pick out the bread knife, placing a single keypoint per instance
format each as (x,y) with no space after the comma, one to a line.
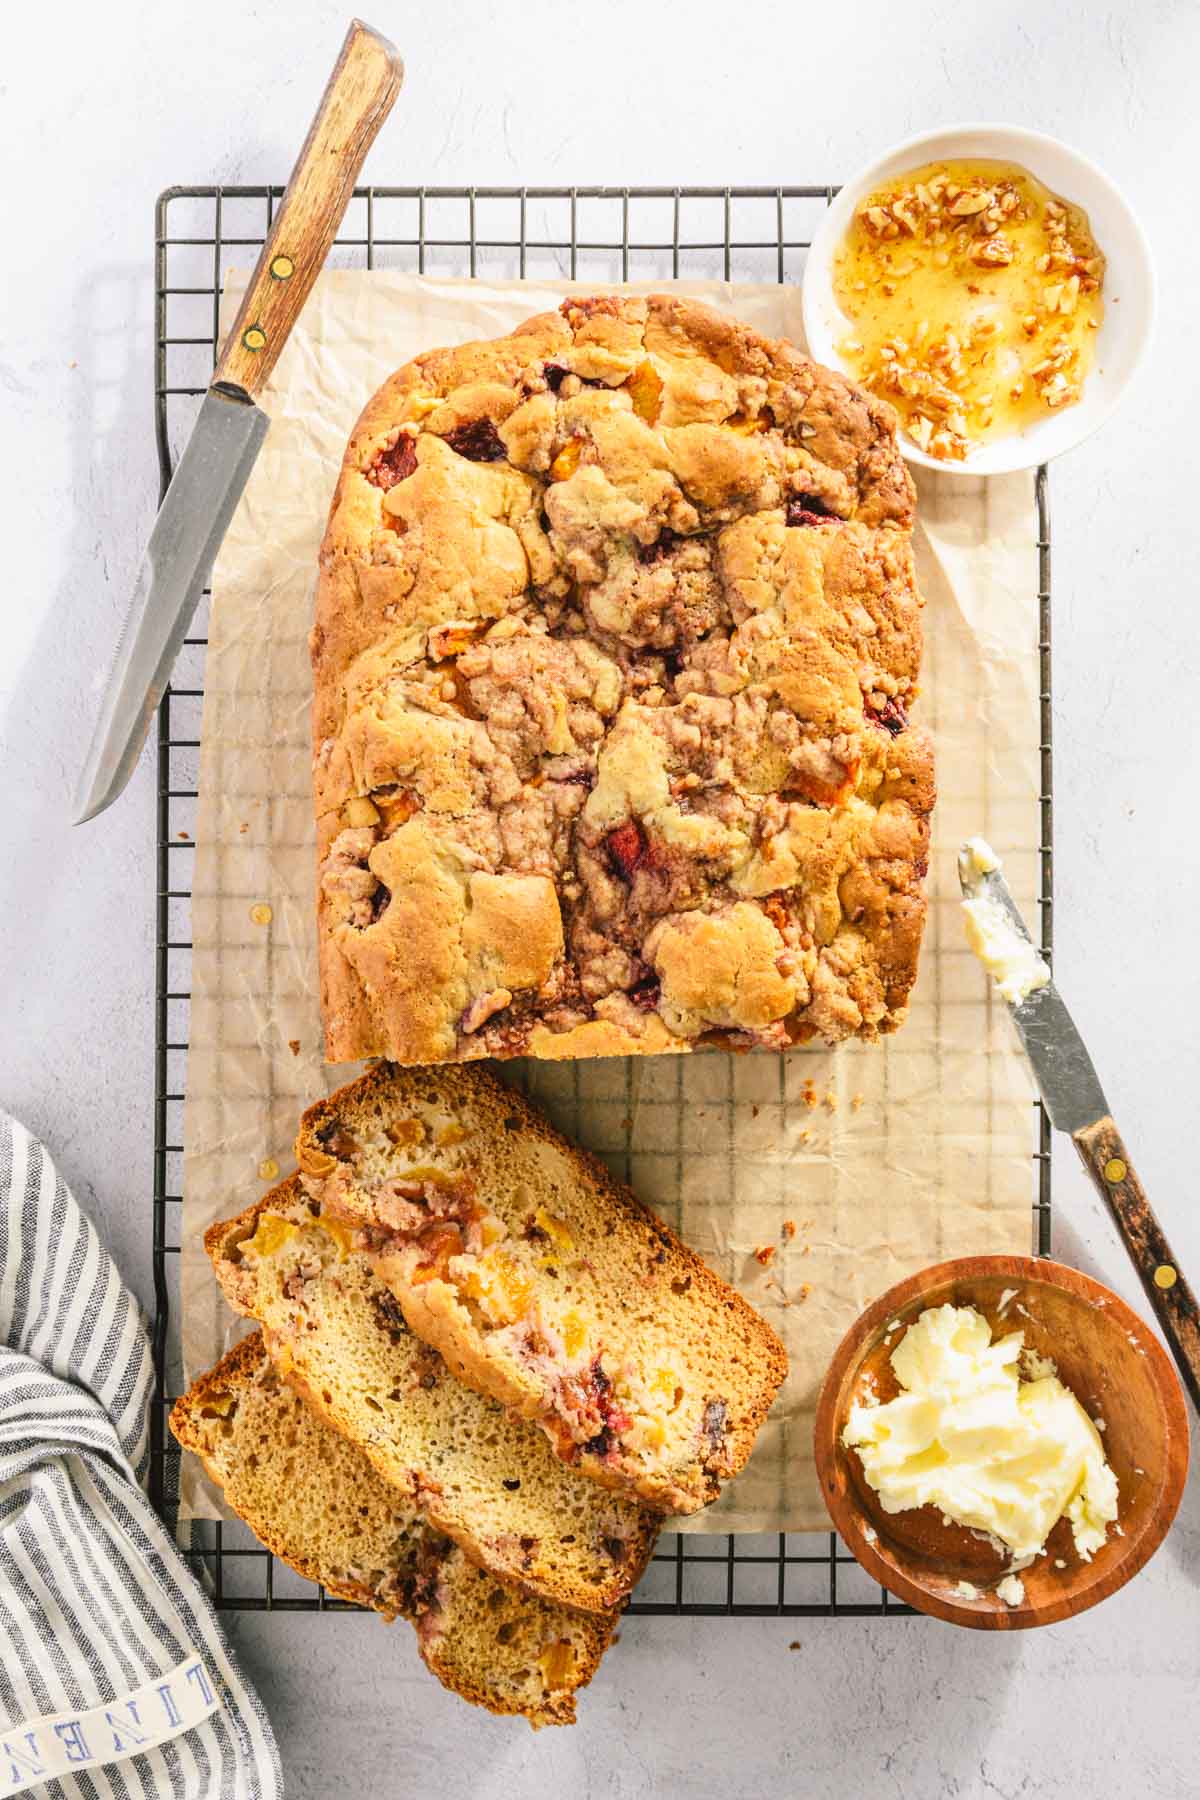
(1074,1099)
(229,431)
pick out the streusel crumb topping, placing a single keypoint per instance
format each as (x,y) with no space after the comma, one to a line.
(617,637)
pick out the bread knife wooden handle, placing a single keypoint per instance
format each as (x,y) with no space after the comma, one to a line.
(1107,1162)
(357,100)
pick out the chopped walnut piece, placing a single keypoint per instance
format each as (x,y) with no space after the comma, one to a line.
(967,205)
(994,252)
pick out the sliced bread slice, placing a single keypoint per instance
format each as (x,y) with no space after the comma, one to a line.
(543,1282)
(316,1501)
(488,1481)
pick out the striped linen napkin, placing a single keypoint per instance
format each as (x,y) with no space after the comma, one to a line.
(114,1678)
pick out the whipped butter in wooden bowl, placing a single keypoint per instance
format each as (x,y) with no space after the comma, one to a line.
(1128,1450)
(992,285)
(973,297)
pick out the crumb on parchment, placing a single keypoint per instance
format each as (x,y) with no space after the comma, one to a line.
(787,1299)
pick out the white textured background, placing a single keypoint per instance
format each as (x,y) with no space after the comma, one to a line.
(103,105)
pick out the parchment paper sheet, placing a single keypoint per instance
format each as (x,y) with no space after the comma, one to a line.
(885,1157)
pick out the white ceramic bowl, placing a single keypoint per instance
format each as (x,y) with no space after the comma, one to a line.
(1128,282)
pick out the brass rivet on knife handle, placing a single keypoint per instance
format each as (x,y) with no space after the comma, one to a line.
(359,97)
(1107,1162)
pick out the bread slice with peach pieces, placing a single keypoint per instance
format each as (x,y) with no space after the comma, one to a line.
(487,1480)
(318,1503)
(544,1282)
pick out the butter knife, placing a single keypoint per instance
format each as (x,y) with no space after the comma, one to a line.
(230,428)
(1074,1099)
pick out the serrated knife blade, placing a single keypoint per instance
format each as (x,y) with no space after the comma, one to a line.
(187,534)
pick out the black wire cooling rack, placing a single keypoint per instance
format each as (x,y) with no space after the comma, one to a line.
(596,234)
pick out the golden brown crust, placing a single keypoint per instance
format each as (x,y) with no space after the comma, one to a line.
(568,1300)
(316,1502)
(188,1425)
(617,629)
(337,1338)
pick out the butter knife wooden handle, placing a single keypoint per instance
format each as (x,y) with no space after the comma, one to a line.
(1107,1162)
(361,90)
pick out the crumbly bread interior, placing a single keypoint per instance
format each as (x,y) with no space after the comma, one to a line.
(317,1502)
(543,1282)
(488,1481)
(617,635)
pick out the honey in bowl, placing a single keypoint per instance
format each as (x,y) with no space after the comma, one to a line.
(974,300)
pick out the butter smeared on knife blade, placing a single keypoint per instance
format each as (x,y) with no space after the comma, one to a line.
(1061,1065)
(995,931)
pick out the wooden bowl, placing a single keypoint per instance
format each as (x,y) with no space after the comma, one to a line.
(1114,1365)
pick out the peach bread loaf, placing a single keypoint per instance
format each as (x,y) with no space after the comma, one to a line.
(616,640)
